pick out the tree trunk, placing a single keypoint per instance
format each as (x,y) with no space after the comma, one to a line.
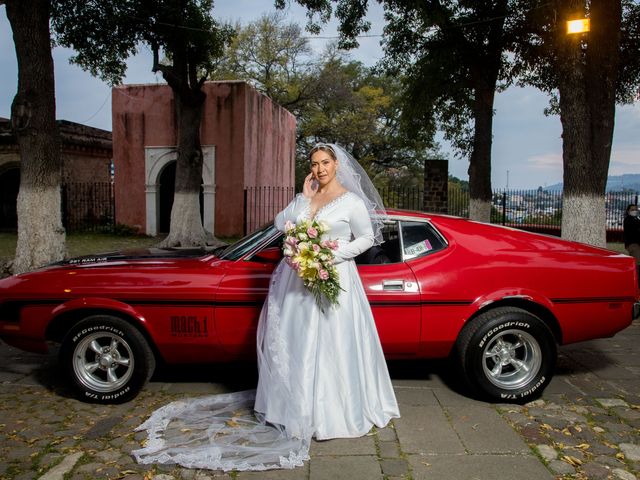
(586,84)
(480,161)
(186,223)
(41,237)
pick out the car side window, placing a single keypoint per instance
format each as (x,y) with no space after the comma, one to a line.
(388,251)
(420,238)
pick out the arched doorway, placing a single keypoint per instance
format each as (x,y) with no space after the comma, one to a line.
(9,184)
(157,177)
(167,182)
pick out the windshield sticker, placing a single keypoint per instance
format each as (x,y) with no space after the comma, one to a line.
(188,326)
(418,248)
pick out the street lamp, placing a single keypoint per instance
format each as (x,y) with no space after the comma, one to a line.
(581,25)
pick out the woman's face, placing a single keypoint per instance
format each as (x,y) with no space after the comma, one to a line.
(323,167)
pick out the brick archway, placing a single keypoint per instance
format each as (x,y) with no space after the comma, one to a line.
(155,160)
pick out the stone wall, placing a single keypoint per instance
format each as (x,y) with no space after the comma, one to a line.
(436,186)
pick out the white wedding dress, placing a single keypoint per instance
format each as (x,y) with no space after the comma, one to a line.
(321,375)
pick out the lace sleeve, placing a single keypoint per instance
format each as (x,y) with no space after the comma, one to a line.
(292,211)
(362,231)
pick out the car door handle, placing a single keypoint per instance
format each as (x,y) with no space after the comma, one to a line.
(399,286)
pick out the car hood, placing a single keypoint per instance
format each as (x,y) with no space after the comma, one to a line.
(139,255)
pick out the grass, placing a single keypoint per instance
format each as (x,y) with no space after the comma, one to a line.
(83,243)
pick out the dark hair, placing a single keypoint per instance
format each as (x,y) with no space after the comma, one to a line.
(629,208)
(323,147)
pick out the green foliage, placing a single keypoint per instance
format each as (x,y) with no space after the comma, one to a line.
(334,98)
(105,34)
(273,56)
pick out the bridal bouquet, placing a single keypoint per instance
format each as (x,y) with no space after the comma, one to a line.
(312,258)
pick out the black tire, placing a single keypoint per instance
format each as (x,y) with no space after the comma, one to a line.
(507,355)
(106,359)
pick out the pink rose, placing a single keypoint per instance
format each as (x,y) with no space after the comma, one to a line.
(312,232)
(291,241)
(289,225)
(323,274)
(333,244)
(316,247)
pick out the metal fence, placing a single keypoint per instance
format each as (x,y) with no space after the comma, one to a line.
(88,207)
(261,204)
(536,210)
(91,206)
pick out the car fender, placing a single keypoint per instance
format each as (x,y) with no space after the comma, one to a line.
(506,295)
(96,304)
(529,300)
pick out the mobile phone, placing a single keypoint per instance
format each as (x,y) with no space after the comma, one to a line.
(314,184)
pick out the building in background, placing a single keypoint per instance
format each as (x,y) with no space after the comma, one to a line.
(247,141)
(86,159)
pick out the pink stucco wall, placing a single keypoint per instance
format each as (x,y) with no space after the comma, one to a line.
(254,143)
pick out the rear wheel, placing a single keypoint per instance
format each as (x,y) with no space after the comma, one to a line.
(507,354)
(107,360)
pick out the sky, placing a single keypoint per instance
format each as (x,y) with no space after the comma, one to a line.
(527,145)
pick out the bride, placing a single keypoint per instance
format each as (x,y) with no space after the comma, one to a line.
(322,374)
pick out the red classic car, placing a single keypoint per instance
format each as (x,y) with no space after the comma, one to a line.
(497,300)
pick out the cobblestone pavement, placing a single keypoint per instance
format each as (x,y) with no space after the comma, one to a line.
(586,425)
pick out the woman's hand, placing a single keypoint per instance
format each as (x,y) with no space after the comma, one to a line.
(309,187)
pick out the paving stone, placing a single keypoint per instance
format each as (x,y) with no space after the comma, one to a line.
(415,396)
(595,471)
(394,467)
(301,473)
(426,430)
(354,446)
(623,474)
(547,452)
(388,449)
(609,460)
(612,402)
(627,413)
(494,467)
(532,434)
(631,451)
(345,468)
(481,430)
(387,434)
(563,468)
(108,456)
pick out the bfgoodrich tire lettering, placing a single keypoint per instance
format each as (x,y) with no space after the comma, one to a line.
(106,359)
(507,354)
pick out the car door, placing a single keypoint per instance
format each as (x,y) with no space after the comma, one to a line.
(394,296)
(240,297)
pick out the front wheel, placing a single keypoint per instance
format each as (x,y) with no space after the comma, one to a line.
(507,354)
(107,360)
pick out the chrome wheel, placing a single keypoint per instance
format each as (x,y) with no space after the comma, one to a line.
(103,362)
(512,359)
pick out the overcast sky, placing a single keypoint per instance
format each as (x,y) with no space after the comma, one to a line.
(527,147)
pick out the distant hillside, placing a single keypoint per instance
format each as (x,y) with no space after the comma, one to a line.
(617,183)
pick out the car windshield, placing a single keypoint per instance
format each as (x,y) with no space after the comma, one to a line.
(246,244)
